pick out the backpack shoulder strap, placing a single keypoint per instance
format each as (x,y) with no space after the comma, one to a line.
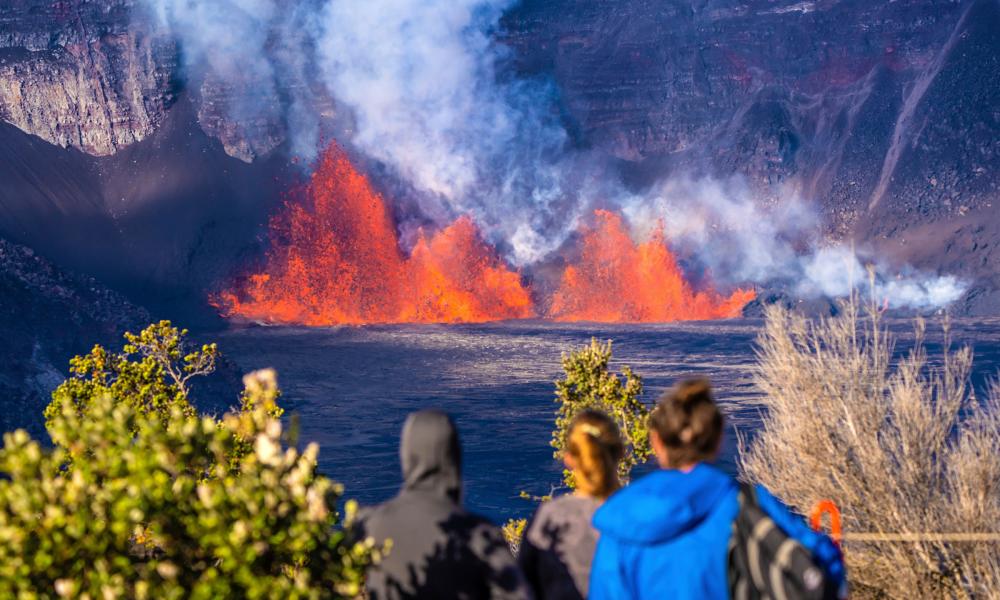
(741,585)
(748,494)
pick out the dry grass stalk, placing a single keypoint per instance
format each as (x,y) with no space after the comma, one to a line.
(901,448)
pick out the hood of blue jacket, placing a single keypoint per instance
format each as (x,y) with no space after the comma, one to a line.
(663,504)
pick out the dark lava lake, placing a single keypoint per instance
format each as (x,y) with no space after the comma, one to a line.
(352,388)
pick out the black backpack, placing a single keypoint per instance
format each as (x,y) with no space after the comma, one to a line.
(765,563)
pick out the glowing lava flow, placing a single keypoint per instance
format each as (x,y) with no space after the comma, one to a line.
(617,280)
(334,259)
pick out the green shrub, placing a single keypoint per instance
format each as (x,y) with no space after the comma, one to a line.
(513,533)
(151,374)
(589,383)
(167,504)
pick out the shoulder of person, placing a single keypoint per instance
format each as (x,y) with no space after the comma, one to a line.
(563,510)
(374,515)
(791,522)
(360,527)
(462,519)
(663,482)
(559,504)
(663,504)
(557,501)
(375,511)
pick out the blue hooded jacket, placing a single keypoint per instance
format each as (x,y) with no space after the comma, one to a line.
(667,536)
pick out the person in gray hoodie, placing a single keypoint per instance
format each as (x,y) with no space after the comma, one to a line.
(438,549)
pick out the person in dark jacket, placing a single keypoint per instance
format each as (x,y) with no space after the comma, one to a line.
(667,534)
(559,542)
(438,549)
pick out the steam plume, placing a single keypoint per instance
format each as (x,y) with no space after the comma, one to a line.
(421,78)
(257,50)
(836,271)
(726,231)
(432,98)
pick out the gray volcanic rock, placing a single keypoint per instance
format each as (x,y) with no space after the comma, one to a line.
(929,186)
(935,204)
(249,137)
(650,77)
(945,153)
(100,75)
(47,316)
(163,220)
(83,74)
(774,90)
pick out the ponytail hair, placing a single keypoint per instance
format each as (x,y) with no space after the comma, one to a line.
(688,422)
(596,445)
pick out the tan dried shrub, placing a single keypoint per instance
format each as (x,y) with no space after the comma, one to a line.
(901,447)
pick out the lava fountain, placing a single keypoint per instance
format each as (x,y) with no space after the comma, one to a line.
(616,279)
(334,258)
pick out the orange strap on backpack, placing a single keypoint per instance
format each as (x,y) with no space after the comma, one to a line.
(816,519)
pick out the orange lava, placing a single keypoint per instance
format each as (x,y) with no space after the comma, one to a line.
(334,259)
(617,280)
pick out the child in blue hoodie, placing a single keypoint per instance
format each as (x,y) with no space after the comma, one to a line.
(667,535)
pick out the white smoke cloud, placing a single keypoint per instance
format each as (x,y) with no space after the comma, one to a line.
(728,232)
(257,49)
(836,271)
(227,34)
(421,78)
(721,223)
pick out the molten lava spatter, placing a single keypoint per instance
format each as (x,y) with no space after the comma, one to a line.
(335,259)
(457,277)
(617,280)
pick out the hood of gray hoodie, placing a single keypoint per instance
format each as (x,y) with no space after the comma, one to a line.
(431,455)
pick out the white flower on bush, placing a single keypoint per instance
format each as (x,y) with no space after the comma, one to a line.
(268,450)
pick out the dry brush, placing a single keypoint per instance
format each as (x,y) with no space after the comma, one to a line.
(902,446)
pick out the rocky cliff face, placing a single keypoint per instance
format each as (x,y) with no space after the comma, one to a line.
(251,136)
(47,316)
(823,92)
(803,90)
(101,75)
(161,220)
(935,197)
(648,77)
(84,74)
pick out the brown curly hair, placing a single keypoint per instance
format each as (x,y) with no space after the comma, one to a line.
(688,422)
